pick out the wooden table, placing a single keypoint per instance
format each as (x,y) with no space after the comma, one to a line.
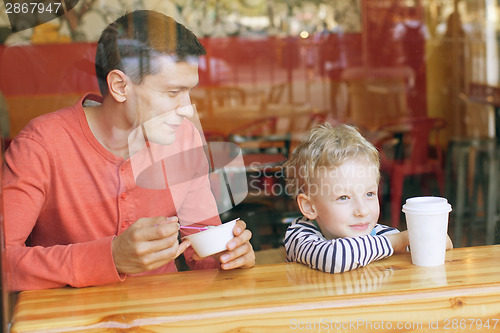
(388,295)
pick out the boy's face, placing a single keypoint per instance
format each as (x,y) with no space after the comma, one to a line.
(345,199)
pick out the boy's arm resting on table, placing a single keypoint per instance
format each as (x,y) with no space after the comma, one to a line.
(305,244)
(399,241)
(449,243)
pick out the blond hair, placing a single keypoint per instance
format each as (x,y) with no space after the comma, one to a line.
(326,146)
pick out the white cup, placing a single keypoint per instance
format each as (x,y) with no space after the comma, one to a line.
(427,223)
(213,240)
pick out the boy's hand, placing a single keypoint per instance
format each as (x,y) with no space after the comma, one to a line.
(449,243)
(399,241)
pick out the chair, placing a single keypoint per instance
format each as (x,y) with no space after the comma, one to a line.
(301,123)
(275,94)
(382,90)
(5,143)
(262,148)
(259,127)
(227,96)
(263,152)
(211,136)
(304,121)
(413,155)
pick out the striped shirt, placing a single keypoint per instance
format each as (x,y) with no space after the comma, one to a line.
(304,243)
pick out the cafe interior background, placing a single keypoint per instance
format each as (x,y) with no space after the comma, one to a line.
(417,77)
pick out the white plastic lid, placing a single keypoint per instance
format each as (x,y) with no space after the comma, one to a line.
(426,205)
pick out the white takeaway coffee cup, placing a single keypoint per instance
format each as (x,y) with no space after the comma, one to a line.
(427,223)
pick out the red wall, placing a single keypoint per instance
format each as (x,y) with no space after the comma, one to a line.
(60,70)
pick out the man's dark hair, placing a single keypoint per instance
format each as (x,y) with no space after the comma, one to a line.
(132,43)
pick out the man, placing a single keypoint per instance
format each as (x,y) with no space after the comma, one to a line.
(78,209)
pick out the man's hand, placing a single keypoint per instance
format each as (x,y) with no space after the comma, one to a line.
(239,253)
(148,244)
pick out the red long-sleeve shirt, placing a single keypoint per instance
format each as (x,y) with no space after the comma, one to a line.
(66,197)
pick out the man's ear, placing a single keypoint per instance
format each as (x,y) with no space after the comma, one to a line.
(306,206)
(117,82)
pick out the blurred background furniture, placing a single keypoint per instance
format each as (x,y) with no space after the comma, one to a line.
(472,165)
(264,151)
(378,95)
(211,136)
(276,94)
(458,185)
(416,151)
(486,177)
(300,124)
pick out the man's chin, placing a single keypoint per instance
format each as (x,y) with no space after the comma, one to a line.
(164,140)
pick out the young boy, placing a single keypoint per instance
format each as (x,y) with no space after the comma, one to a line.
(334,175)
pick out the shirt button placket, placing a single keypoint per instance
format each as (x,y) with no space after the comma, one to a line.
(124,205)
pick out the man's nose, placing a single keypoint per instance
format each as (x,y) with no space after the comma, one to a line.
(185,111)
(185,108)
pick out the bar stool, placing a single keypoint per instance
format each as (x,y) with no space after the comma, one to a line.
(457,155)
(487,162)
(465,201)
